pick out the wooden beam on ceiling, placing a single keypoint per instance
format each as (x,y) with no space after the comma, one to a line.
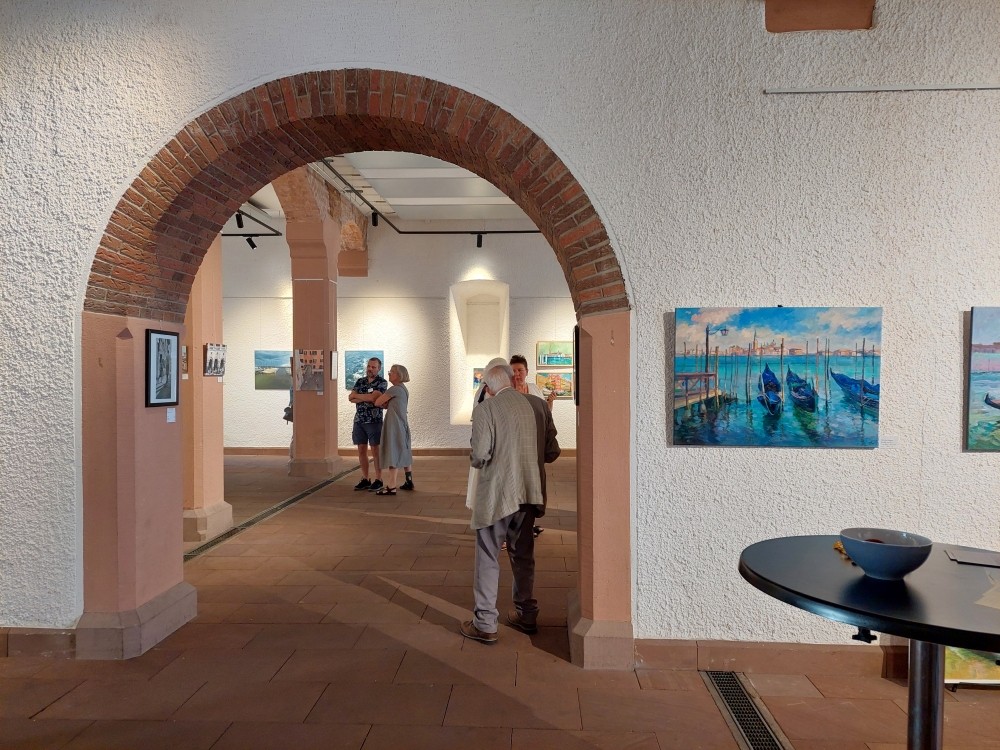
(817,15)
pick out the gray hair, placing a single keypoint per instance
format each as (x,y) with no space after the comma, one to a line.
(404,374)
(498,377)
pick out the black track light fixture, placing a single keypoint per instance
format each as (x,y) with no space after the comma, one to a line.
(239,219)
(479,240)
(251,243)
(374,219)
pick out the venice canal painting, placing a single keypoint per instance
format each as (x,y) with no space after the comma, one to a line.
(792,377)
(984,380)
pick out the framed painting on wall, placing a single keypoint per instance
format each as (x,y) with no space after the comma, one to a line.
(309,370)
(792,377)
(162,365)
(477,377)
(554,354)
(355,363)
(559,382)
(962,665)
(272,370)
(215,360)
(984,381)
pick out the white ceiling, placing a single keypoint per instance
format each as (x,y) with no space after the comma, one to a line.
(409,186)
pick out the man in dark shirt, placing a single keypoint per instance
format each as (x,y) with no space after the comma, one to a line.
(368,421)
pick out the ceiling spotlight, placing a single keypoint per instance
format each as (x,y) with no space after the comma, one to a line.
(239,219)
(479,240)
(251,243)
(374,219)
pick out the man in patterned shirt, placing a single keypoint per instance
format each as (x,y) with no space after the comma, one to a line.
(368,421)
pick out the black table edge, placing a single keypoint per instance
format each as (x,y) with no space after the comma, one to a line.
(880,623)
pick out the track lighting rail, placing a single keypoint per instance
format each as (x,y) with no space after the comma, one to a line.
(377,215)
(272,232)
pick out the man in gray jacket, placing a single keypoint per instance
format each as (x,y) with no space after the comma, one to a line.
(505,450)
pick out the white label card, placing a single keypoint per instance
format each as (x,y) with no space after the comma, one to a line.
(171,414)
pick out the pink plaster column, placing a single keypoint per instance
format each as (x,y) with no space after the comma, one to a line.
(134,592)
(313,246)
(206,513)
(600,613)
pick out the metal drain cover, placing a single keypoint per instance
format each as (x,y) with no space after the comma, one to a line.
(756,731)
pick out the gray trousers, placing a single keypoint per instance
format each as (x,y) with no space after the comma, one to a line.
(516,530)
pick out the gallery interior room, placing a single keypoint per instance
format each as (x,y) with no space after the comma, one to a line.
(700,236)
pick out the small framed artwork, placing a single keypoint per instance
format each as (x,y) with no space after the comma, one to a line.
(184,359)
(983,385)
(554,354)
(272,370)
(356,365)
(559,382)
(576,364)
(334,362)
(477,377)
(309,370)
(162,365)
(215,360)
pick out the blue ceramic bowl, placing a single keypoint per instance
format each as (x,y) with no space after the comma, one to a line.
(885,554)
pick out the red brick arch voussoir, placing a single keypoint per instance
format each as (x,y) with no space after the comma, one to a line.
(163,225)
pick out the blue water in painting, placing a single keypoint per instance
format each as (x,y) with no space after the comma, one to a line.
(984,421)
(836,423)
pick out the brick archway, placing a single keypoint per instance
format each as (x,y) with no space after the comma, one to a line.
(164,223)
(141,279)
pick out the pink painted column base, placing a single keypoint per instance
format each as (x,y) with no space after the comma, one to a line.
(133,577)
(600,613)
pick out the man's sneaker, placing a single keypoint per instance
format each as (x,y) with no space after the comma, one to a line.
(470,631)
(375,486)
(518,624)
(364,484)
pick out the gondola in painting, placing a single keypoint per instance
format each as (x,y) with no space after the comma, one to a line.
(802,377)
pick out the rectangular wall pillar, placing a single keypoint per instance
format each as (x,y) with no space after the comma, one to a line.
(206,513)
(134,589)
(600,613)
(313,247)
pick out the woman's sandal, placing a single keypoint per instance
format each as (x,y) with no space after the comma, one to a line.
(386,491)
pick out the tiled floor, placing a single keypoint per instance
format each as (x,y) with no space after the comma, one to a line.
(334,624)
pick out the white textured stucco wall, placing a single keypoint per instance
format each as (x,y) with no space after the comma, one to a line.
(401,307)
(713,194)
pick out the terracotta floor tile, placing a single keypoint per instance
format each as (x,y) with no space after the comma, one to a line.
(444,563)
(694,740)
(299,578)
(458,667)
(281,550)
(233,665)
(423,636)
(279,613)
(796,685)
(148,735)
(140,668)
(387,737)
(277,736)
(30,734)
(838,745)
(251,701)
(306,636)
(857,686)
(556,739)
(377,563)
(962,695)
(313,562)
(669,679)
(422,550)
(127,699)
(22,698)
(680,713)
(373,613)
(209,635)
(342,665)
(242,594)
(547,707)
(22,666)
(539,669)
(381,704)
(340,593)
(251,577)
(848,720)
(214,612)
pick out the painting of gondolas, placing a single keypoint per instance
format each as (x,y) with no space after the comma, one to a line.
(793,377)
(984,381)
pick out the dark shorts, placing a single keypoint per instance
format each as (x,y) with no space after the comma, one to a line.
(367,432)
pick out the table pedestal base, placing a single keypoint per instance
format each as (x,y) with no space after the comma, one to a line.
(925,730)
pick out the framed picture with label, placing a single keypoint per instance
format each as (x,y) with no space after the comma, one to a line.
(162,366)
(215,360)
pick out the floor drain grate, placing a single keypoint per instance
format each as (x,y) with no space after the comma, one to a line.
(748,719)
(263,516)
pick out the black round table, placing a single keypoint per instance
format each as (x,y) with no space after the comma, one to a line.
(934,606)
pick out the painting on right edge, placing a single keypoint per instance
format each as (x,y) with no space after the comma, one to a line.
(984,381)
